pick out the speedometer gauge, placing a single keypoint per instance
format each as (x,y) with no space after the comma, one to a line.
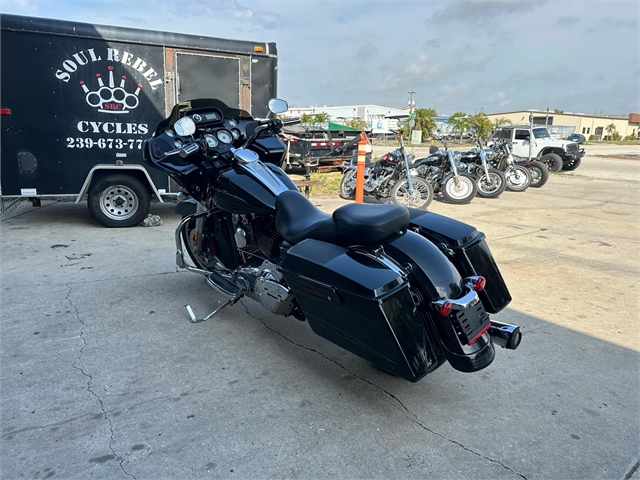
(233,123)
(236,133)
(212,142)
(224,136)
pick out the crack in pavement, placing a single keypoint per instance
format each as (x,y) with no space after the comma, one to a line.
(408,414)
(633,470)
(89,380)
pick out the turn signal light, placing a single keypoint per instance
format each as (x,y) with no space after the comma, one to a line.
(445,308)
(480,283)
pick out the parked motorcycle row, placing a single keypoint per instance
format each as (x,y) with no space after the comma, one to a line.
(457,176)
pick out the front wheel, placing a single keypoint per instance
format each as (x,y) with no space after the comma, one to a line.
(518,178)
(539,173)
(420,196)
(460,189)
(553,161)
(492,185)
(118,200)
(573,165)
(348,185)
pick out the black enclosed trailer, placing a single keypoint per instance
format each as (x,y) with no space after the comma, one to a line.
(78,100)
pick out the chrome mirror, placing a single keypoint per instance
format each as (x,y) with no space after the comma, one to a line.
(185,127)
(277,105)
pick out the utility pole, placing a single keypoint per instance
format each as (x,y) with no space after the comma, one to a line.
(412,116)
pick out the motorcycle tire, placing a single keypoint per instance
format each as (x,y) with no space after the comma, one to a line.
(459,192)
(493,185)
(539,174)
(422,193)
(518,178)
(348,185)
(573,165)
(552,161)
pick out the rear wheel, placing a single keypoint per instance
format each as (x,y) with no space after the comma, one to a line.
(539,173)
(553,161)
(421,195)
(118,200)
(492,185)
(460,190)
(518,178)
(573,165)
(348,185)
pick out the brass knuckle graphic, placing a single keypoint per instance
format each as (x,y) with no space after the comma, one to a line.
(111,98)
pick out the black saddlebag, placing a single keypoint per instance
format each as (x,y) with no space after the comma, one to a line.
(362,303)
(467,249)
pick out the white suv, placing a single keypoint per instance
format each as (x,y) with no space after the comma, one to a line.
(556,154)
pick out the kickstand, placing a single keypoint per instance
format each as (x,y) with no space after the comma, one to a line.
(199,320)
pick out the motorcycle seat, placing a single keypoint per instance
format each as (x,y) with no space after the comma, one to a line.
(298,219)
(361,224)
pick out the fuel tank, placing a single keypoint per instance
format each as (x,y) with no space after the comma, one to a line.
(251,188)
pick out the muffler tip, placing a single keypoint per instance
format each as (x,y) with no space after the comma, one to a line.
(505,335)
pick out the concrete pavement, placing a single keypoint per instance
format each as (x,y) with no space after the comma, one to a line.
(103,376)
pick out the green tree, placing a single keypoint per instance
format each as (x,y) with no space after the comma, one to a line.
(459,121)
(321,117)
(425,121)
(611,129)
(306,119)
(558,111)
(501,121)
(481,124)
(356,123)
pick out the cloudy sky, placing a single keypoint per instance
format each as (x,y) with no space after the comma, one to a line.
(579,56)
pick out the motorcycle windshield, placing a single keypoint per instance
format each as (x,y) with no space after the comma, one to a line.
(183,108)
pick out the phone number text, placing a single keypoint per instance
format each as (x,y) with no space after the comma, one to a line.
(117,143)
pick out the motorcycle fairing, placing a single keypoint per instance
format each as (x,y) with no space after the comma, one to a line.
(467,249)
(362,301)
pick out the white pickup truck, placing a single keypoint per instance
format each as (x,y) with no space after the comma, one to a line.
(556,154)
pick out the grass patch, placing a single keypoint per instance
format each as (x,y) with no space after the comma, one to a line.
(330,186)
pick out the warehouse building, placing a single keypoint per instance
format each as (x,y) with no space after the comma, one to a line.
(593,127)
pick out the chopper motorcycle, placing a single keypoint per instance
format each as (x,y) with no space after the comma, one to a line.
(404,289)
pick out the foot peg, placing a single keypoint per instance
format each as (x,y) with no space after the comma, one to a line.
(225,287)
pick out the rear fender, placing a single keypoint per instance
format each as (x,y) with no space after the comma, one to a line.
(435,277)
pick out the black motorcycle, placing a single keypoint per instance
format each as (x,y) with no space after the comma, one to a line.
(440,169)
(402,288)
(491,181)
(518,176)
(387,178)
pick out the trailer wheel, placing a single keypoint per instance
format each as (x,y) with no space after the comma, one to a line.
(118,200)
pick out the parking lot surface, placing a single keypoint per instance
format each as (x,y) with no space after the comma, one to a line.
(103,376)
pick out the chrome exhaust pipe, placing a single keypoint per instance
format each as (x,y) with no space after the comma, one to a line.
(505,335)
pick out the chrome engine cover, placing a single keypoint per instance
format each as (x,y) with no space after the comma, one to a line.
(271,291)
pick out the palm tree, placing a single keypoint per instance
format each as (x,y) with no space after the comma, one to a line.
(611,129)
(501,121)
(357,123)
(306,119)
(459,121)
(481,124)
(321,117)
(425,121)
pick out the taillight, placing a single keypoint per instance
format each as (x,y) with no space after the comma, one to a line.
(479,284)
(5,111)
(445,308)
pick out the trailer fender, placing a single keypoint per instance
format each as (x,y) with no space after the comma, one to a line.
(87,182)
